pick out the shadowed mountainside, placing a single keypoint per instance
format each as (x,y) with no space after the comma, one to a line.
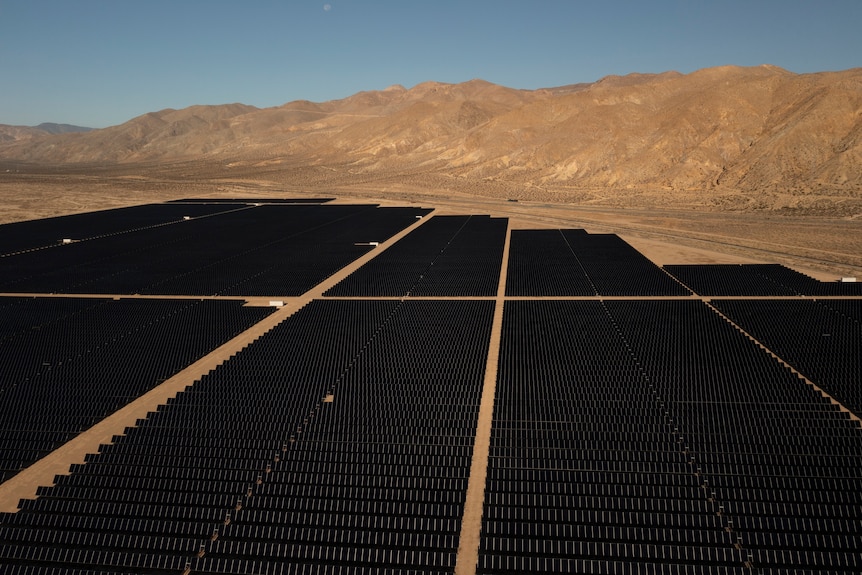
(760,130)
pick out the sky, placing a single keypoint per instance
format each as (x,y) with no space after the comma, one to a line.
(98,63)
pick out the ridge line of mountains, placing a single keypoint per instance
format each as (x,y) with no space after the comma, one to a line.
(747,129)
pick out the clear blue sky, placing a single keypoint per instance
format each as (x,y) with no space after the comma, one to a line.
(102,62)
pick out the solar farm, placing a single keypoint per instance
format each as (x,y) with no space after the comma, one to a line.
(309,387)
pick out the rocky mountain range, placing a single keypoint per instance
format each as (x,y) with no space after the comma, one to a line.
(19,133)
(750,130)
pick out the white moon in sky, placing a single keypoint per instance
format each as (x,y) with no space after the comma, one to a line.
(327,7)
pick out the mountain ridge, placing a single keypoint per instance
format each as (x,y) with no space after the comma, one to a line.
(750,129)
(18,133)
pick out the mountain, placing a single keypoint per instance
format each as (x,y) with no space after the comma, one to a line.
(53,128)
(747,129)
(26,133)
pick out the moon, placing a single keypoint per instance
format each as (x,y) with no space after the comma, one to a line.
(327,7)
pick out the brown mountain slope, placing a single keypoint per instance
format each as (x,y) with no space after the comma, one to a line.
(731,127)
(752,130)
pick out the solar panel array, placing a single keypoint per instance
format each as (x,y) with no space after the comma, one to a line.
(651,436)
(821,339)
(448,256)
(315,450)
(33,234)
(636,435)
(773,449)
(252,201)
(67,363)
(542,263)
(265,250)
(756,280)
(574,263)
